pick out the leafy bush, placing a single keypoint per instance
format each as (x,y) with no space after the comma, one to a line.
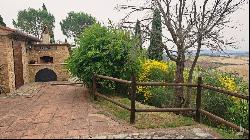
(156,71)
(161,96)
(102,51)
(228,107)
(151,70)
(170,75)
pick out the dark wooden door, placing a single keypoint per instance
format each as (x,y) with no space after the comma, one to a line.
(18,64)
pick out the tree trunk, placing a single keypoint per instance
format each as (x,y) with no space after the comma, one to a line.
(179,96)
(191,71)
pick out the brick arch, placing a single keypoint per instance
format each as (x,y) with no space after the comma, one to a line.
(45,75)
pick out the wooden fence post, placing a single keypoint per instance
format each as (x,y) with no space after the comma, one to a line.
(94,87)
(132,98)
(198,100)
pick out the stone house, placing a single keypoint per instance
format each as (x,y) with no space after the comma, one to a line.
(25,59)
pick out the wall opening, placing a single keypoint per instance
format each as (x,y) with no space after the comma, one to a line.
(32,62)
(46,59)
(45,75)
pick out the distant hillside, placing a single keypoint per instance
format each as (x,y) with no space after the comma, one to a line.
(227,52)
(210,53)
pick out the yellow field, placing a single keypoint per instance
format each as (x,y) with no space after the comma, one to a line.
(236,65)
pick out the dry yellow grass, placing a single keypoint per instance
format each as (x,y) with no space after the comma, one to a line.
(226,60)
(236,65)
(241,70)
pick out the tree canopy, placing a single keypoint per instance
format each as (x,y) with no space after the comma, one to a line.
(102,51)
(1,21)
(189,26)
(32,21)
(75,23)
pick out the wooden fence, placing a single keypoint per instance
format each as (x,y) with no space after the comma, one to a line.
(198,111)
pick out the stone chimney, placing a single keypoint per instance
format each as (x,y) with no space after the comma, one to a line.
(45,36)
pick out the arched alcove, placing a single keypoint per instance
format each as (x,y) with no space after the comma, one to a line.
(45,75)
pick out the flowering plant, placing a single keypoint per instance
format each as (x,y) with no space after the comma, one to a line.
(151,70)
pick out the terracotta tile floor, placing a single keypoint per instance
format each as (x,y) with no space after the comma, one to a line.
(61,111)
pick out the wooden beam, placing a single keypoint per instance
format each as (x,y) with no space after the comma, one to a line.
(165,110)
(54,84)
(113,79)
(239,95)
(165,84)
(219,119)
(112,101)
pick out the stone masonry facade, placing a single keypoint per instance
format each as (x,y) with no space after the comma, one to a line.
(59,52)
(21,58)
(7,75)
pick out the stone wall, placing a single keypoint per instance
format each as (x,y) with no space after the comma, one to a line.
(6,59)
(7,74)
(60,54)
(4,79)
(60,70)
(25,61)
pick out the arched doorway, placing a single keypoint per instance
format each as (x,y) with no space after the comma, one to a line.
(45,75)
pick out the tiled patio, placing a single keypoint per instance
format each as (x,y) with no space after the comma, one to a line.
(60,111)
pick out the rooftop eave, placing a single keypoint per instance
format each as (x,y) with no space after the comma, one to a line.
(19,34)
(25,36)
(62,44)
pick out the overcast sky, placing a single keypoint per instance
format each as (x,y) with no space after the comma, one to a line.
(102,10)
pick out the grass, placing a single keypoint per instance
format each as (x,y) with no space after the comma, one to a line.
(143,120)
(226,134)
(154,119)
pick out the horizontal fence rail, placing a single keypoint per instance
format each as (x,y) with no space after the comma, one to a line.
(165,110)
(164,84)
(198,111)
(117,103)
(113,79)
(55,84)
(221,120)
(235,94)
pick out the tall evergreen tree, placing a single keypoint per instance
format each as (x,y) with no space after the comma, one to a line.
(1,22)
(138,35)
(33,21)
(44,7)
(155,50)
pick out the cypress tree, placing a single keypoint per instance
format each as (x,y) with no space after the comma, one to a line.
(44,7)
(1,22)
(155,51)
(138,35)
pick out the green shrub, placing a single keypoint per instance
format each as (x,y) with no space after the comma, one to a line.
(151,70)
(170,75)
(230,108)
(161,96)
(216,103)
(102,51)
(156,71)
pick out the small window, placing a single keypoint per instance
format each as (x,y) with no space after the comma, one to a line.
(46,59)
(32,62)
